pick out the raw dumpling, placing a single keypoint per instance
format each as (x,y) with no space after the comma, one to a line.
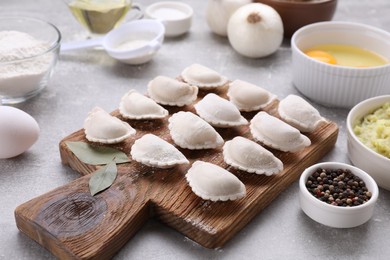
(153,151)
(171,92)
(248,97)
(192,132)
(134,105)
(219,112)
(277,134)
(203,77)
(211,182)
(101,127)
(249,156)
(300,114)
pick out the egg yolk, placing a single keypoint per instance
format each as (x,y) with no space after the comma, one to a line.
(322,56)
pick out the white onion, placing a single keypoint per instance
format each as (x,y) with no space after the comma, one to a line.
(218,14)
(255,30)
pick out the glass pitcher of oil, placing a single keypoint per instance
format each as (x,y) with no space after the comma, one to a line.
(101,16)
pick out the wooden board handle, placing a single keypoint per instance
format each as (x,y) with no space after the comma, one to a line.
(71,223)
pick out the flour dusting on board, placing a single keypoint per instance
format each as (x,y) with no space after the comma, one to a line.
(199,223)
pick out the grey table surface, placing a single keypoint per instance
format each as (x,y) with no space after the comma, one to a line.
(90,78)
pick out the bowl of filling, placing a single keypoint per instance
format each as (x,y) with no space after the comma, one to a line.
(368,130)
(337,194)
(29,50)
(339,64)
(298,13)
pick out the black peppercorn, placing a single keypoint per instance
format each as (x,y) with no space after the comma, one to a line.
(339,187)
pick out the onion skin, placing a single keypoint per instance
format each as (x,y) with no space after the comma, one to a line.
(255,30)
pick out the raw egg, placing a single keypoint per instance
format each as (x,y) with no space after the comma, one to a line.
(18,131)
(346,55)
(322,56)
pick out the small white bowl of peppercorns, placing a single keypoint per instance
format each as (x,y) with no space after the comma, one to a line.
(337,194)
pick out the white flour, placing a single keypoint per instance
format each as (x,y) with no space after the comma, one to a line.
(132,45)
(19,78)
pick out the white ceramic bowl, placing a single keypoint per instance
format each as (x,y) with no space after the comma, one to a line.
(336,216)
(176,16)
(339,86)
(375,164)
(150,32)
(23,78)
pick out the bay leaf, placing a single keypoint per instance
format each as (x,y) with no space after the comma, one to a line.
(103,178)
(96,155)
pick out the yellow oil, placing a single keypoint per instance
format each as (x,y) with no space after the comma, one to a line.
(99,17)
(347,55)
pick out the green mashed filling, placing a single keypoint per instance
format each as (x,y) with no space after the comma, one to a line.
(373,130)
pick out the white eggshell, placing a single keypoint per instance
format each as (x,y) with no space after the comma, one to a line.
(18,131)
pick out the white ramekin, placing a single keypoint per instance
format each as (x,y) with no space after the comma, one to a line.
(336,216)
(339,86)
(174,25)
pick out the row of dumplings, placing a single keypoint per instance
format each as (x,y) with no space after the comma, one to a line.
(215,111)
(244,95)
(196,132)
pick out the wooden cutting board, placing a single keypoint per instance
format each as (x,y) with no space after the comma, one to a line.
(71,223)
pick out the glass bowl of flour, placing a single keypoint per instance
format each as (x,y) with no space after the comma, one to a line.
(29,50)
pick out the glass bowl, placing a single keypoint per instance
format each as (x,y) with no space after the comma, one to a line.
(29,50)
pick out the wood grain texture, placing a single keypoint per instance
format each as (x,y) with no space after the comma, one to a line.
(71,223)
